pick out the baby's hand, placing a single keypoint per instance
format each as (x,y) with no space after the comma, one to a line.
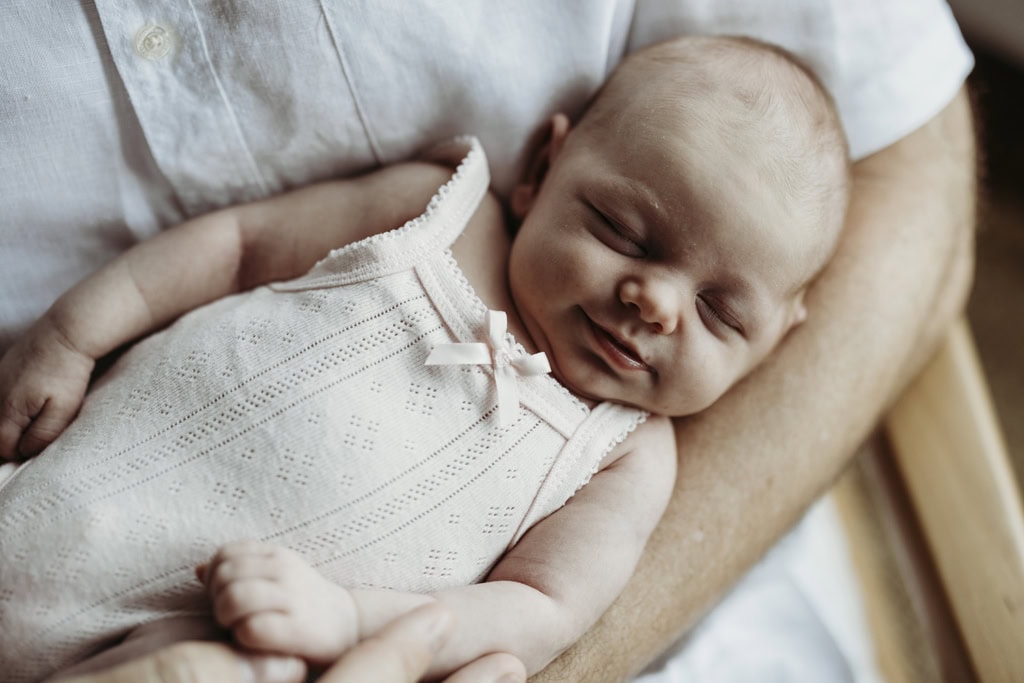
(273,601)
(42,383)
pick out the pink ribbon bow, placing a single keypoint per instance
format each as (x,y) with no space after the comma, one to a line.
(499,354)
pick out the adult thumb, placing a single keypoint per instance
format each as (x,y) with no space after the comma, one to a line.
(201,662)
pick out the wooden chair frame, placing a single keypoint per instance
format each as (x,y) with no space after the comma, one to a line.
(943,463)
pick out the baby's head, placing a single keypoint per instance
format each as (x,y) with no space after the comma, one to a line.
(667,239)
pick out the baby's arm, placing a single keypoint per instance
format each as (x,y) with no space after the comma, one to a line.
(542,596)
(550,588)
(44,375)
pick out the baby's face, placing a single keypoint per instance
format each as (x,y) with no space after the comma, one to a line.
(656,270)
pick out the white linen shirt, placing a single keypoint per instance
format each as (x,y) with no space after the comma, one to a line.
(121,117)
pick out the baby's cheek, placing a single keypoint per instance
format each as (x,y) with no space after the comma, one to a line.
(585,265)
(695,389)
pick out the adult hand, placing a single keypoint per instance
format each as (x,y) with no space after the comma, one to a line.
(402,651)
(198,661)
(399,653)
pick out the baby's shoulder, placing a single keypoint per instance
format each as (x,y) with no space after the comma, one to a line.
(653,440)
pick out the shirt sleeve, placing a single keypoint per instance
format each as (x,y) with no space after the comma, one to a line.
(891,66)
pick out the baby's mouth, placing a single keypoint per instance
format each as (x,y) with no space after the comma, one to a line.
(618,351)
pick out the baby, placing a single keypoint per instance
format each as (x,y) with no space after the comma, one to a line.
(439,411)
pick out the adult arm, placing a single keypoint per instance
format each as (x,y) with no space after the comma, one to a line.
(753,463)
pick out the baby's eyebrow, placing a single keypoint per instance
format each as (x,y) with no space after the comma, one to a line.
(646,203)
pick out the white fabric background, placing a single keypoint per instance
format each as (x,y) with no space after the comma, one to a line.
(795,618)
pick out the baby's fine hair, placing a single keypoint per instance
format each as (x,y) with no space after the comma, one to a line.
(784,108)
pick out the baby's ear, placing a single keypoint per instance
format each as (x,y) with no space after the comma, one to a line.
(543,150)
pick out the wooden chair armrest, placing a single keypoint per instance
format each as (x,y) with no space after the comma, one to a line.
(950,453)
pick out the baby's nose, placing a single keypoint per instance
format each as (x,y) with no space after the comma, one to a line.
(655,304)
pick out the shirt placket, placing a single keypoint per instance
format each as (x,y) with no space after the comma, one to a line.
(161,55)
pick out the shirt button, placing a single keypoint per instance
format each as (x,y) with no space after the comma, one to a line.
(154,41)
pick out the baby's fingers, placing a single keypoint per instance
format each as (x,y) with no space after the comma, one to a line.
(46,426)
(240,600)
(16,416)
(272,632)
(235,561)
(10,434)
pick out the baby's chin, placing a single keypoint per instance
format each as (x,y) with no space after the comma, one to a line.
(684,406)
(593,398)
(589,392)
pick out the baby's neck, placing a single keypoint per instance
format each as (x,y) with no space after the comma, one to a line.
(482,252)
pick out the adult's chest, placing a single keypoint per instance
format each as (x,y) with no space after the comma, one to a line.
(122,118)
(239,101)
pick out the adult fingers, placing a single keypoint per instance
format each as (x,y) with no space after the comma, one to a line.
(499,667)
(200,662)
(398,653)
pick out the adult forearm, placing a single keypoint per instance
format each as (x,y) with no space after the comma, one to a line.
(751,464)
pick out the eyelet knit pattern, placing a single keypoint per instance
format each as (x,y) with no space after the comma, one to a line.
(301,414)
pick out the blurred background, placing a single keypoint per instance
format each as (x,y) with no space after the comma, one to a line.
(995,31)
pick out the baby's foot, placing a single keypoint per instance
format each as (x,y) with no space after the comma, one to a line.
(274,601)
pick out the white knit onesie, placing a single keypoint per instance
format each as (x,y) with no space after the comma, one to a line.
(301,413)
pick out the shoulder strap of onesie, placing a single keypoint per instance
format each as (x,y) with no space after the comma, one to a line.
(431,232)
